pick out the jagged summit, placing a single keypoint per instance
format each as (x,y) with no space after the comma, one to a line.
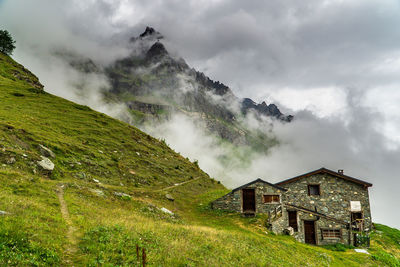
(264,109)
(151,32)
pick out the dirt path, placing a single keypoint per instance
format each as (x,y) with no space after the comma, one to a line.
(175,185)
(72,242)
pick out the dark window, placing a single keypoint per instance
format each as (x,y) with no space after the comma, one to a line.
(355,216)
(271,198)
(293,219)
(331,233)
(357,221)
(313,190)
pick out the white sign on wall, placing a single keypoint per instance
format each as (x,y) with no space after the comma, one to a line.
(355,206)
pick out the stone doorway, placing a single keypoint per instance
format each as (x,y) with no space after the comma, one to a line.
(249,200)
(309,232)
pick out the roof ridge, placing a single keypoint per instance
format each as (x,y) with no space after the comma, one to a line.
(323,169)
(259,180)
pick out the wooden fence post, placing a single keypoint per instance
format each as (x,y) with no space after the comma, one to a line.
(144,257)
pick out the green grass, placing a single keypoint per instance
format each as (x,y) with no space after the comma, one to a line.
(105,228)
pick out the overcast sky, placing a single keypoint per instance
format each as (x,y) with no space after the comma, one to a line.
(333,64)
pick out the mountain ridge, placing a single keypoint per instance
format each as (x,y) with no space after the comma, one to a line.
(155,75)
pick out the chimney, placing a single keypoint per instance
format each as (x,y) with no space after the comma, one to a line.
(340,172)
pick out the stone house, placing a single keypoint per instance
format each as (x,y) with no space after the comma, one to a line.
(320,207)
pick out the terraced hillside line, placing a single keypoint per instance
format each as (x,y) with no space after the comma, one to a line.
(175,185)
(71,247)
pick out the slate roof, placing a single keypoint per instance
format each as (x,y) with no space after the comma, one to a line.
(324,170)
(262,181)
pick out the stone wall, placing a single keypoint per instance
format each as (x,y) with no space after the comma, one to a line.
(233,200)
(333,201)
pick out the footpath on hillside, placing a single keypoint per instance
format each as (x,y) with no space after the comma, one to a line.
(72,242)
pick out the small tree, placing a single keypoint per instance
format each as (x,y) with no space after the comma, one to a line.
(7,44)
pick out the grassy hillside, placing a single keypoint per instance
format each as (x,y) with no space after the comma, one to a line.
(105,194)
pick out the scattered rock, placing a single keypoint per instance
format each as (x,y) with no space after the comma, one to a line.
(361,250)
(167,211)
(11,160)
(46,164)
(97,192)
(137,153)
(169,197)
(96,181)
(288,231)
(122,195)
(80,175)
(46,152)
(25,155)
(101,152)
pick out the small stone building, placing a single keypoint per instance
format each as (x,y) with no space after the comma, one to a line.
(320,207)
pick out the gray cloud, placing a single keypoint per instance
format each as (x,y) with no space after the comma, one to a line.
(333,63)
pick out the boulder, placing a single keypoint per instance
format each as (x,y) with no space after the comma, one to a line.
(288,231)
(361,250)
(46,152)
(167,211)
(11,160)
(169,197)
(46,164)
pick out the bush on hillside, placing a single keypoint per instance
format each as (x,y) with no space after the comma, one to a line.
(7,44)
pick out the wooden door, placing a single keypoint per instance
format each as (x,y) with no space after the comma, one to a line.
(309,232)
(292,214)
(249,200)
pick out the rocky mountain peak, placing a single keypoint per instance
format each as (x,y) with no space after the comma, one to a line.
(150,32)
(264,109)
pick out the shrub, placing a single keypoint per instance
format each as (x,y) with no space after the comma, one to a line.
(7,44)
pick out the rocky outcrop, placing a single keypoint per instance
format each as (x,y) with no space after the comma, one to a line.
(149,108)
(156,52)
(270,110)
(46,152)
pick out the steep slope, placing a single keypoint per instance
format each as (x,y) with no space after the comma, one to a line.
(107,190)
(94,154)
